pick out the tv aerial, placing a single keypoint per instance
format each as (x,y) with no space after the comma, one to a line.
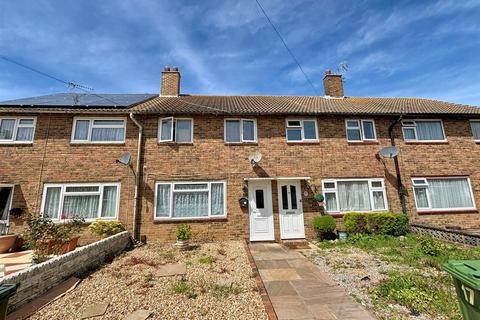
(255,158)
(389,152)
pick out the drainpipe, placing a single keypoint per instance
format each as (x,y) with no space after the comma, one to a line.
(137,176)
(401,189)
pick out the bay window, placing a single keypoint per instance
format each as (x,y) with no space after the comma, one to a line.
(360,195)
(98,130)
(190,200)
(88,201)
(423,130)
(446,193)
(360,130)
(17,129)
(240,130)
(301,130)
(177,130)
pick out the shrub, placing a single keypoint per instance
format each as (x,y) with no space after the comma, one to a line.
(429,247)
(106,228)
(184,232)
(207,260)
(385,223)
(324,226)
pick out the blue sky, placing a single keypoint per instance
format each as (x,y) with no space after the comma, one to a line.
(393,48)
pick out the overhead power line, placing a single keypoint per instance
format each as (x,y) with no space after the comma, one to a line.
(69,84)
(286,46)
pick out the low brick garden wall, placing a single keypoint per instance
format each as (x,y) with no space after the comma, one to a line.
(37,279)
(447,235)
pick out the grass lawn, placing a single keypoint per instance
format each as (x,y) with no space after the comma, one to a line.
(396,277)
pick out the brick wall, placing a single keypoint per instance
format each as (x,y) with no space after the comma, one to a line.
(37,279)
(209,158)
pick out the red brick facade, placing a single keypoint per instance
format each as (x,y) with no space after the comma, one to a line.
(53,159)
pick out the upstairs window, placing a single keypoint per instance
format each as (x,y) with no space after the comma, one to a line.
(177,130)
(360,195)
(301,130)
(240,130)
(360,130)
(475,125)
(17,130)
(423,130)
(98,130)
(451,193)
(88,201)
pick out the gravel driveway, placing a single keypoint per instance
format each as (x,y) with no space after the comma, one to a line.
(218,284)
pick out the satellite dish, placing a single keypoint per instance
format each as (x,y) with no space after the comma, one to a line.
(389,152)
(125,159)
(255,158)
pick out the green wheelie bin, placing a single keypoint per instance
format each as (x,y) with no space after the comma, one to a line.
(466,277)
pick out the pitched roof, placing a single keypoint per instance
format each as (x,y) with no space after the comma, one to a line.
(269,105)
(234,105)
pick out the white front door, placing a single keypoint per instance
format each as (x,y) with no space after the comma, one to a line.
(290,209)
(261,210)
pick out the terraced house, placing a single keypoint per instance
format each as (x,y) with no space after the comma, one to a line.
(236,166)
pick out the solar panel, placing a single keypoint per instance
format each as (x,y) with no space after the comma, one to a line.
(81,100)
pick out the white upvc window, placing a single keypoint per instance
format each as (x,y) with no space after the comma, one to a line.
(301,130)
(190,200)
(423,130)
(360,130)
(17,129)
(443,194)
(86,200)
(240,130)
(179,130)
(475,125)
(355,195)
(98,130)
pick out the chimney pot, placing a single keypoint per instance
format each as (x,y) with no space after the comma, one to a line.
(327,72)
(170,85)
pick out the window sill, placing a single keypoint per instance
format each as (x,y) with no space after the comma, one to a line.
(427,212)
(241,143)
(302,142)
(170,143)
(16,143)
(176,220)
(362,142)
(477,141)
(93,144)
(426,142)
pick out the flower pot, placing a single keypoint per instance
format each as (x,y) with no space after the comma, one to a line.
(342,235)
(182,245)
(7,242)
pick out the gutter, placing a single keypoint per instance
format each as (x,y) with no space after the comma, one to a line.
(400,187)
(137,176)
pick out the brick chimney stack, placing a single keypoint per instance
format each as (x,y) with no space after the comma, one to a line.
(333,84)
(170,85)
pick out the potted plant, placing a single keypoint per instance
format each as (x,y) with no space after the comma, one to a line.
(7,241)
(184,233)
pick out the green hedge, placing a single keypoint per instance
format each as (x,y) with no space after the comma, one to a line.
(387,223)
(324,226)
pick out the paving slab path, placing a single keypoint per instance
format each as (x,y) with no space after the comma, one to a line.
(299,290)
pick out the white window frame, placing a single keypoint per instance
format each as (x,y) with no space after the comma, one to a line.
(424,184)
(360,128)
(476,121)
(242,140)
(8,185)
(209,189)
(91,125)
(173,130)
(371,190)
(63,187)
(15,129)
(302,129)
(412,124)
